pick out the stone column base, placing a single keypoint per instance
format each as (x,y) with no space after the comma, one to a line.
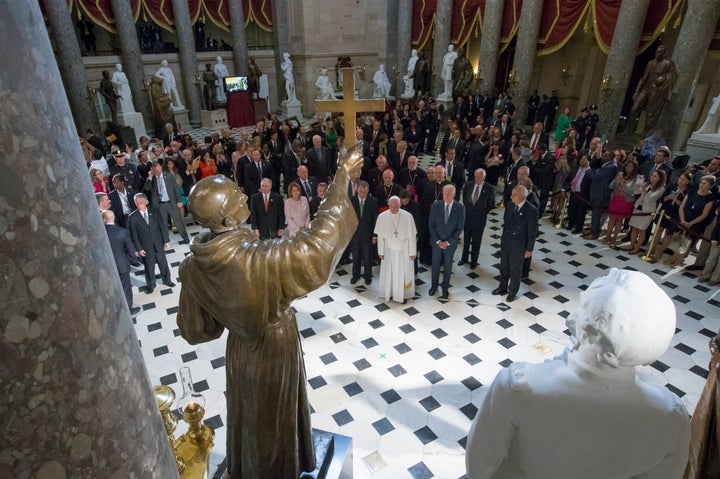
(702,147)
(134,120)
(291,108)
(181,119)
(214,119)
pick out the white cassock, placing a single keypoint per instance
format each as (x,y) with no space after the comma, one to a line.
(396,241)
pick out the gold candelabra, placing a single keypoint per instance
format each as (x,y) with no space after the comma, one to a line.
(396,71)
(606,86)
(197,79)
(361,72)
(91,93)
(192,449)
(566,75)
(512,78)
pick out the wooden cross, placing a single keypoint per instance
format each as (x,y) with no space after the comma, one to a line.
(349,106)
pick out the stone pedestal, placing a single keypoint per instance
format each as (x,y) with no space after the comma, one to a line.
(214,119)
(702,147)
(291,108)
(181,119)
(76,399)
(135,121)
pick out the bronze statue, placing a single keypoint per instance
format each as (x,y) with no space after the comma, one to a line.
(654,90)
(107,90)
(210,92)
(254,75)
(236,281)
(422,74)
(704,458)
(462,74)
(160,104)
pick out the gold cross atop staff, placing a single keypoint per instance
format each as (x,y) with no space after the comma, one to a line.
(349,106)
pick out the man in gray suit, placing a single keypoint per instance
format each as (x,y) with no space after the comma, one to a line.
(447,219)
(165,199)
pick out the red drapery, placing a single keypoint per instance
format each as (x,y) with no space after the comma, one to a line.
(161,12)
(423,17)
(466,18)
(560,20)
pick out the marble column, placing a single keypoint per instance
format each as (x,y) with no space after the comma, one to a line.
(443,19)
(392,46)
(404,42)
(132,60)
(525,52)
(281,33)
(620,62)
(188,62)
(240,49)
(76,400)
(490,44)
(72,68)
(694,38)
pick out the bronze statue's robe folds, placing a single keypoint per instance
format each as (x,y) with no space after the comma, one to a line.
(234,280)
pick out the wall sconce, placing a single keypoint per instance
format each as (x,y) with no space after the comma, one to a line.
(361,72)
(197,79)
(91,92)
(434,72)
(606,87)
(512,78)
(478,77)
(566,75)
(396,71)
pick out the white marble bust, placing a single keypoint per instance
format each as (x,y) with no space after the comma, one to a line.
(587,414)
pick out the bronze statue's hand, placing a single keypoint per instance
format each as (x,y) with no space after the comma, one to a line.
(352,160)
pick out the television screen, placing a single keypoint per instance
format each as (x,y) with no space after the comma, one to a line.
(235,83)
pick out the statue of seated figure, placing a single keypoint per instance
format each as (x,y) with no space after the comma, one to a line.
(587,414)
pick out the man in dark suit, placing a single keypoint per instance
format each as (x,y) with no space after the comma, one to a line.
(366,209)
(291,161)
(308,184)
(600,192)
(538,137)
(517,242)
(412,178)
(447,218)
(121,200)
(542,175)
(386,189)
(267,212)
(151,240)
(454,169)
(505,125)
(124,254)
(479,200)
(169,135)
(318,158)
(516,161)
(255,171)
(165,199)
(455,142)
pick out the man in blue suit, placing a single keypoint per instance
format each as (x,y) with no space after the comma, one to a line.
(447,219)
(517,241)
(600,192)
(124,254)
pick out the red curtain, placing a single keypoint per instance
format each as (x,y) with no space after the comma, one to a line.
(559,22)
(423,17)
(161,12)
(465,18)
(511,18)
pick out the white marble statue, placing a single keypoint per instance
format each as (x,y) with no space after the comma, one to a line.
(122,90)
(587,414)
(409,77)
(446,73)
(287,69)
(221,71)
(712,124)
(325,90)
(169,86)
(382,83)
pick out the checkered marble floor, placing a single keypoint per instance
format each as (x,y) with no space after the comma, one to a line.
(405,380)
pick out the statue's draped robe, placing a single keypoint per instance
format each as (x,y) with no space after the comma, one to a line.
(246,285)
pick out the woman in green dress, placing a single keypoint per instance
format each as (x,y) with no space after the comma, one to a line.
(563,124)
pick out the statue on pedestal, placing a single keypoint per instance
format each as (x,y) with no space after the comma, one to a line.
(654,90)
(447,73)
(287,69)
(587,413)
(122,89)
(107,90)
(254,75)
(269,433)
(462,73)
(712,125)
(422,74)
(325,90)
(169,86)
(210,80)
(221,71)
(161,104)
(382,83)
(409,77)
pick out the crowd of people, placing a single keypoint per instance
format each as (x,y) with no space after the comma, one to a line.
(487,158)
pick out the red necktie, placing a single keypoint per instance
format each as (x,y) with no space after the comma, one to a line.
(534,143)
(266,203)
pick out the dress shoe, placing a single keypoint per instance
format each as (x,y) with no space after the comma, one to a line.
(169,284)
(354,279)
(184,242)
(462,262)
(473,265)
(368,281)
(694,267)
(134,310)
(576,231)
(510,298)
(703,280)
(498,291)
(445,294)
(150,289)
(432,291)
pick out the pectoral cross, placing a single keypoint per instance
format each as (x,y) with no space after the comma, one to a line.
(349,106)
